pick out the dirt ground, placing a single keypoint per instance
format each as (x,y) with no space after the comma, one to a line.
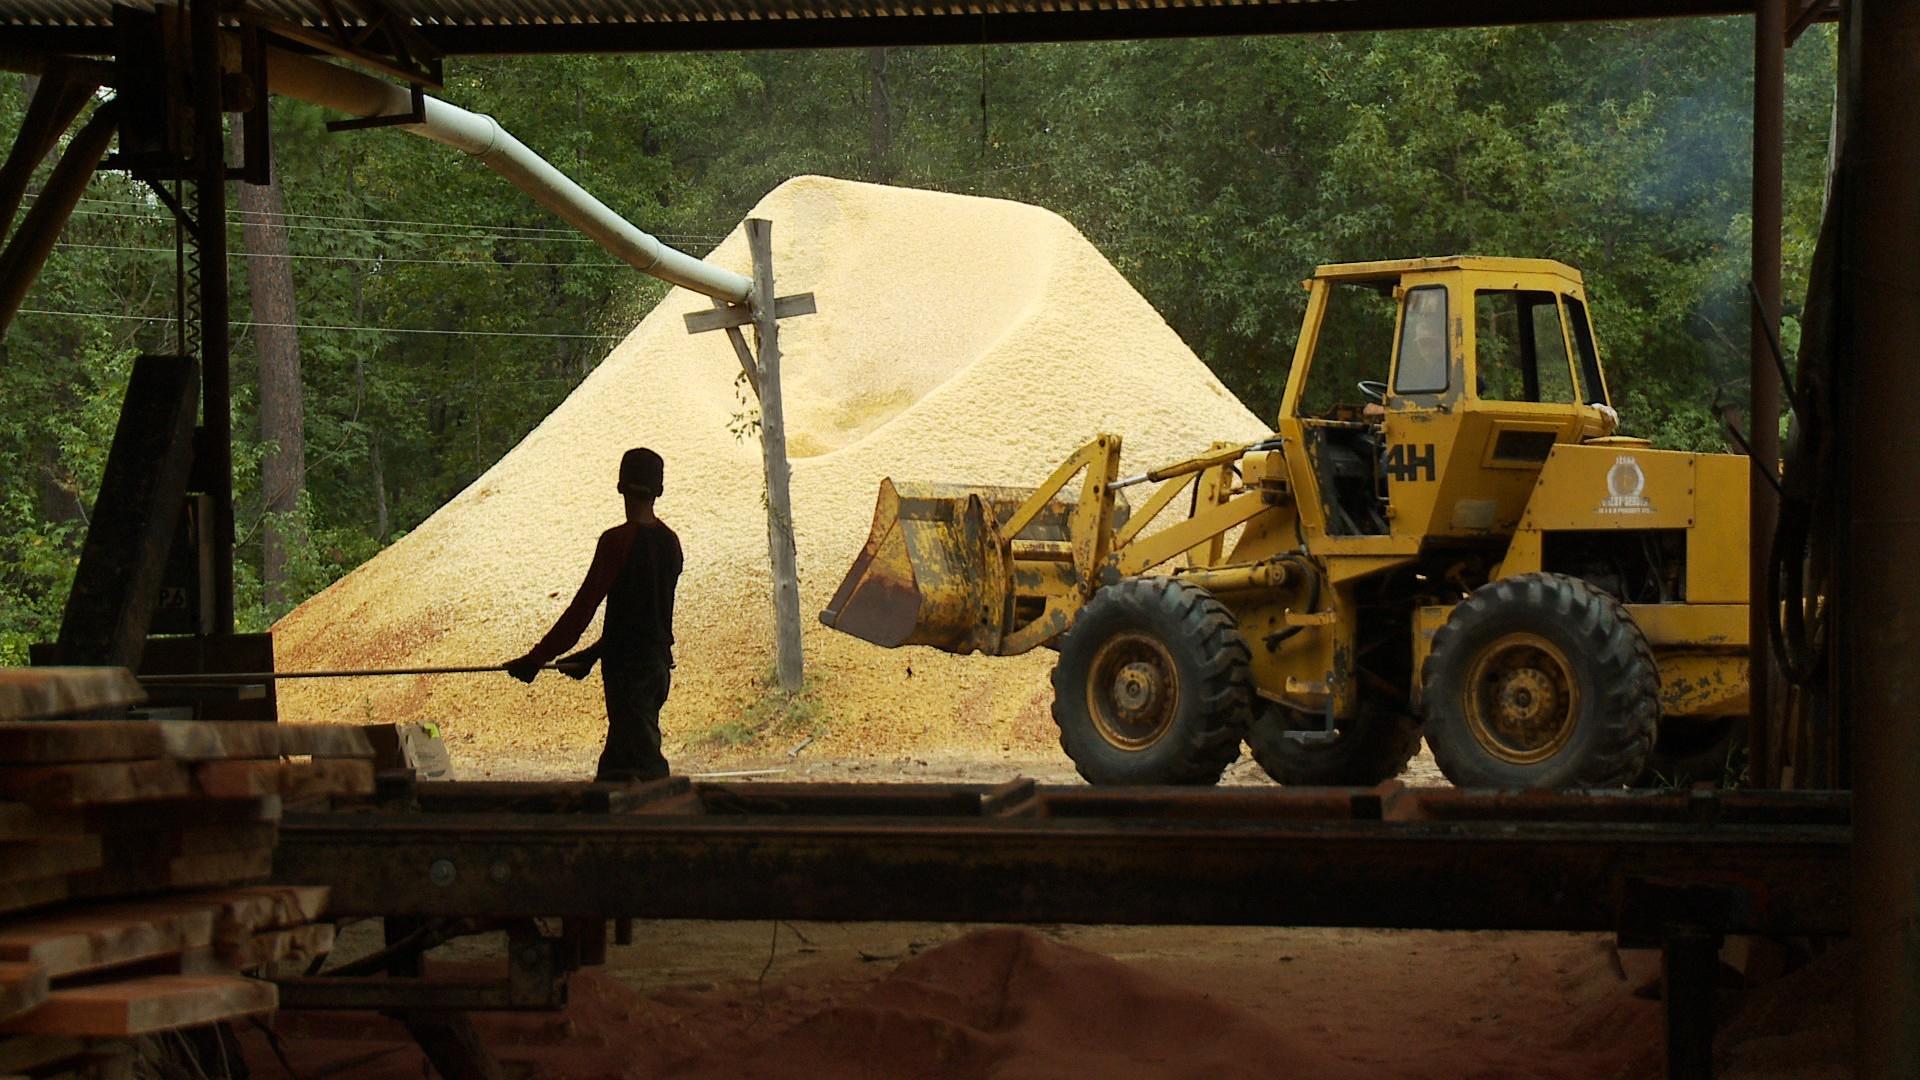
(691,999)
(892,1000)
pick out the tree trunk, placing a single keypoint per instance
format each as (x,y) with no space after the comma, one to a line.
(380,523)
(879,115)
(283,470)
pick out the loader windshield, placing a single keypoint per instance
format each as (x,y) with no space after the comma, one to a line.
(1355,344)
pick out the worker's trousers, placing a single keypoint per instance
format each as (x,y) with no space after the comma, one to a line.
(637,680)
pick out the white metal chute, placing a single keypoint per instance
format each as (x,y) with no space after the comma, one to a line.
(334,87)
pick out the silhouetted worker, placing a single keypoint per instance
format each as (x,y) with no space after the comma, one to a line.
(635,567)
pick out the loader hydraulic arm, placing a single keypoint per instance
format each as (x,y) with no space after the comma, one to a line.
(1002,572)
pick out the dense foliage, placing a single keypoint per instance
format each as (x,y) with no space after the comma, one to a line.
(444,314)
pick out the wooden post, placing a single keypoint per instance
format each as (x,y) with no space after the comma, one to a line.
(773,453)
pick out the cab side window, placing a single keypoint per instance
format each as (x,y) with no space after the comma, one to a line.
(1521,348)
(1593,389)
(1422,364)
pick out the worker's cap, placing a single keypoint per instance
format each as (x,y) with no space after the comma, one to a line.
(641,472)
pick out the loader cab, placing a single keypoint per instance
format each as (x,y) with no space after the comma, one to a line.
(1427,393)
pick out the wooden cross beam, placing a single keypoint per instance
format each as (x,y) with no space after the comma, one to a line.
(725,315)
(731,317)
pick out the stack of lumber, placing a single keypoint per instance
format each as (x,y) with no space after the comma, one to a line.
(130,857)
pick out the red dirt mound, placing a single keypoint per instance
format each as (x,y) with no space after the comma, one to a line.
(1008,1003)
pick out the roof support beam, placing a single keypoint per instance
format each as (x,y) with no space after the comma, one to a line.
(805,24)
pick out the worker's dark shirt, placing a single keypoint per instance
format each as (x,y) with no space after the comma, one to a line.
(635,568)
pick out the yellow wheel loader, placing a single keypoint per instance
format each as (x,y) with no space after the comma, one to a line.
(1443,537)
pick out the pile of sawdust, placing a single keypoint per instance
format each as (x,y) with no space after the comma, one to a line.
(958,339)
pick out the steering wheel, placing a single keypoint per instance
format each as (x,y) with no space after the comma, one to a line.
(1375,390)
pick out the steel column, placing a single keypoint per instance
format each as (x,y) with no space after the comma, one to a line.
(1763,413)
(1881,604)
(1689,968)
(214,454)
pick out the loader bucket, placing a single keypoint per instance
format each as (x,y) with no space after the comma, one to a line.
(933,572)
(936,570)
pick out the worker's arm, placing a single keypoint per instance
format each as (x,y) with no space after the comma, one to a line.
(573,622)
(580,664)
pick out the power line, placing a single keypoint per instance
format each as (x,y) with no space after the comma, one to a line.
(325,326)
(451,230)
(376,233)
(488,263)
(566,232)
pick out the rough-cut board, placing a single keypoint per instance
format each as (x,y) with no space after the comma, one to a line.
(30,693)
(149,851)
(299,945)
(122,878)
(24,1053)
(84,939)
(54,742)
(324,741)
(145,1006)
(409,746)
(20,822)
(20,895)
(87,939)
(23,986)
(240,913)
(94,1064)
(250,779)
(27,860)
(215,839)
(85,785)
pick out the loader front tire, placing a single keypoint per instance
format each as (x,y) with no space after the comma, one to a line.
(1540,681)
(1152,685)
(1373,746)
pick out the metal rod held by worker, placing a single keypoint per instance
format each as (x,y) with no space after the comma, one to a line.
(223,677)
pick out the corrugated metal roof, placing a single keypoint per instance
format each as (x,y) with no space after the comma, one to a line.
(429,13)
(613,25)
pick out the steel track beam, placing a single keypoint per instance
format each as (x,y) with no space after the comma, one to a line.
(1091,856)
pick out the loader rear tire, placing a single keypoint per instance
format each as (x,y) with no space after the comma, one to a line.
(1540,681)
(1373,746)
(1152,685)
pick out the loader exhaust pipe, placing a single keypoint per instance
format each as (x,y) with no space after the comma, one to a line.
(334,87)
